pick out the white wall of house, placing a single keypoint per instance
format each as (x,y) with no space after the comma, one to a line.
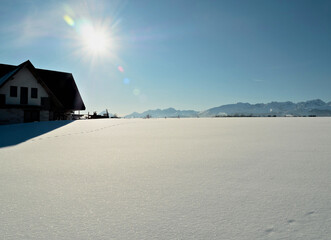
(23,78)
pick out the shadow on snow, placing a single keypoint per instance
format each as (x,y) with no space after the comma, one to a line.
(17,133)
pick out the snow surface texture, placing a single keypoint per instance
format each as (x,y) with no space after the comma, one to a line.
(225,178)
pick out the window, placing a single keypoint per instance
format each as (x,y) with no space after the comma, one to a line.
(34,92)
(13,91)
(2,99)
(24,95)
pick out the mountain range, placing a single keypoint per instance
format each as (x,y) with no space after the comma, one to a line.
(169,112)
(315,107)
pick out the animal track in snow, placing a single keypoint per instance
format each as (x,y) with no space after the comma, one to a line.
(77,133)
(291,221)
(309,213)
(269,230)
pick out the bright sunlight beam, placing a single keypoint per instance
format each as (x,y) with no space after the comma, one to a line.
(96,41)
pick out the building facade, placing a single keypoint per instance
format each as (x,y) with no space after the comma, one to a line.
(28,94)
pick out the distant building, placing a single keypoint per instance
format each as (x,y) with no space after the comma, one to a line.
(28,94)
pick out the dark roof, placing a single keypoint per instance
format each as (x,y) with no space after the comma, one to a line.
(6,72)
(5,69)
(61,84)
(64,88)
(8,75)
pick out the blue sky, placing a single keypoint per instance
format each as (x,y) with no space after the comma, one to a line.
(175,53)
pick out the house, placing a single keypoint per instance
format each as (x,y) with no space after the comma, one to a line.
(28,94)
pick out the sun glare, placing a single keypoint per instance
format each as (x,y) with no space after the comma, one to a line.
(96,41)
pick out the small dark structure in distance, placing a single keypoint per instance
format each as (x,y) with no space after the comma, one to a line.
(96,116)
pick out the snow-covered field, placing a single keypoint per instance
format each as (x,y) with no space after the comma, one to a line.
(241,178)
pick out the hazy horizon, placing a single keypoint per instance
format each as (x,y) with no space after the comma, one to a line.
(230,104)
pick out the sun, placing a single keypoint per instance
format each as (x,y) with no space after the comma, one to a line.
(95,40)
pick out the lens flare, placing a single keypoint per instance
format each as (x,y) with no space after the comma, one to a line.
(136,92)
(93,37)
(126,81)
(120,68)
(69,20)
